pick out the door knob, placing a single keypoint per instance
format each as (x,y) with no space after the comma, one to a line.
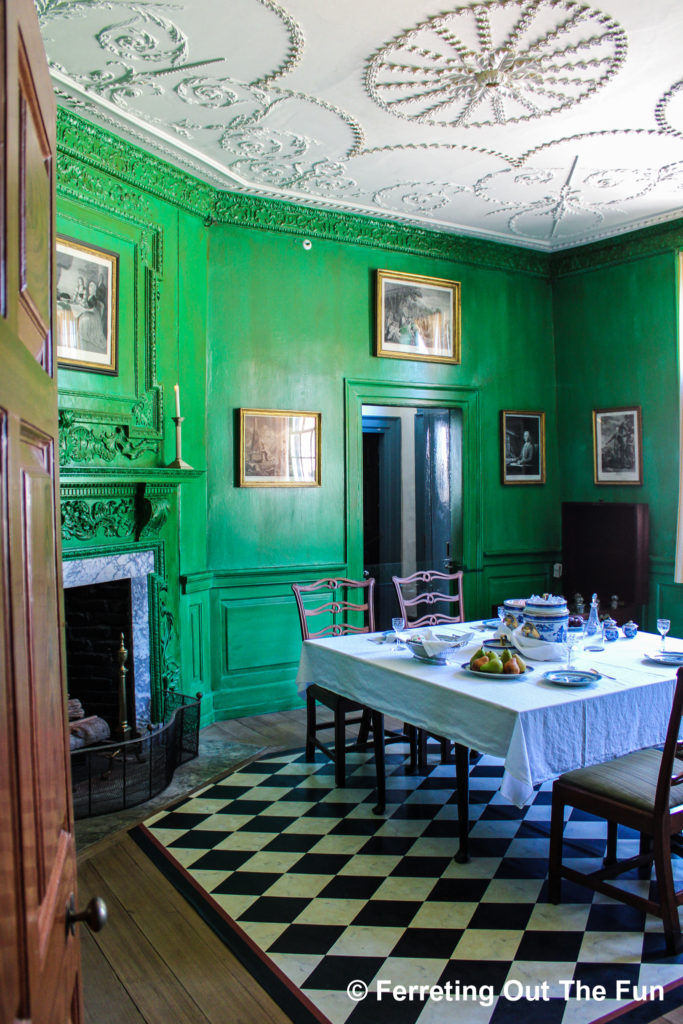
(94,915)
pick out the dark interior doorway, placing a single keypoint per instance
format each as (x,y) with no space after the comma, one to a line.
(412,496)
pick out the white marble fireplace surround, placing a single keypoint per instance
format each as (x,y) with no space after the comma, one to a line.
(136,566)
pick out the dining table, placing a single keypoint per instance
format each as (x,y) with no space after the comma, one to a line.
(538,726)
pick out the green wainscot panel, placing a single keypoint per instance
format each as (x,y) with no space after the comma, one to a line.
(257,692)
(256,634)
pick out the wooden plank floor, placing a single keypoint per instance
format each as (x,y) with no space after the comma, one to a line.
(156,962)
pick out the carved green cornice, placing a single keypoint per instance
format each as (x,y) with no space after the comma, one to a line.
(81,141)
(650,241)
(278,215)
(98,148)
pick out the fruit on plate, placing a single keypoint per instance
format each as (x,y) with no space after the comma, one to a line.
(507,663)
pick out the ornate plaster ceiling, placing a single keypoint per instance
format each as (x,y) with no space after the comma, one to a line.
(545,123)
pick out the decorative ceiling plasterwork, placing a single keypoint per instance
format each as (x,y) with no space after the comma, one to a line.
(543,123)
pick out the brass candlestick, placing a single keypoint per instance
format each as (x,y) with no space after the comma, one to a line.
(178,461)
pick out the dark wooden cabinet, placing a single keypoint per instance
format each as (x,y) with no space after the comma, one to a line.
(605,550)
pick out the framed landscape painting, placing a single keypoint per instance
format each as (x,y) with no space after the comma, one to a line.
(417,318)
(522,442)
(87,298)
(618,446)
(279,449)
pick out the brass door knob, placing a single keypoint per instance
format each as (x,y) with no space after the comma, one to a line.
(94,915)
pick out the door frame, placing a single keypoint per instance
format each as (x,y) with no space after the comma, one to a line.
(358,393)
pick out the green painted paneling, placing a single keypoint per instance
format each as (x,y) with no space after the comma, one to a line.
(616,329)
(260,633)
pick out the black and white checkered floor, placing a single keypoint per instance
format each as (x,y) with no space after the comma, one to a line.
(334,894)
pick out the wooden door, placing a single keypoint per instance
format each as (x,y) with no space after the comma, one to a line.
(39,957)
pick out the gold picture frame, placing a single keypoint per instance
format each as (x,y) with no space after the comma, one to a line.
(522,447)
(618,446)
(417,317)
(279,448)
(87,307)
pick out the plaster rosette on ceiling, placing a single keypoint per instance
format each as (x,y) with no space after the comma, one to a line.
(546,123)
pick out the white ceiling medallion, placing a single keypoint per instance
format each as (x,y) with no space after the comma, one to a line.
(495,63)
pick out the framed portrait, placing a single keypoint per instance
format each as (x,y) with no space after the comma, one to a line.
(618,446)
(87,303)
(522,443)
(417,318)
(279,449)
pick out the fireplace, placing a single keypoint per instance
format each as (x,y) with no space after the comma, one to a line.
(105,597)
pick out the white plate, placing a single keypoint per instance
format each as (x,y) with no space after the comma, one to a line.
(495,675)
(666,657)
(571,677)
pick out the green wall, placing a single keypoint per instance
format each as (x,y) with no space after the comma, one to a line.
(218,293)
(615,310)
(291,328)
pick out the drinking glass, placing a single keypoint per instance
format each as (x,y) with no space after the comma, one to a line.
(398,625)
(573,637)
(501,615)
(663,627)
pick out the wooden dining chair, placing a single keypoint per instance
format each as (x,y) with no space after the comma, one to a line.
(335,615)
(423,590)
(417,595)
(642,790)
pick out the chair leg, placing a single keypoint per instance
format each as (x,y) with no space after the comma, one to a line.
(310,726)
(667,894)
(339,746)
(555,858)
(611,851)
(378,744)
(421,749)
(446,756)
(412,733)
(645,870)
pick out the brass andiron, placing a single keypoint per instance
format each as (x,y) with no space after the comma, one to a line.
(123,730)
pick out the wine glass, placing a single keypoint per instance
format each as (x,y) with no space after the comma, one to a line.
(663,627)
(501,615)
(398,624)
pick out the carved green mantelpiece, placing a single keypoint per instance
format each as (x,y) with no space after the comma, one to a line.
(81,442)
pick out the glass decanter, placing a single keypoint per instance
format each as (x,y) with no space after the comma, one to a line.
(592,631)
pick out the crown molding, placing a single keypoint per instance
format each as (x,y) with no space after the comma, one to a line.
(88,143)
(650,241)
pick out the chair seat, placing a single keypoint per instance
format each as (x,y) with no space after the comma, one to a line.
(631,779)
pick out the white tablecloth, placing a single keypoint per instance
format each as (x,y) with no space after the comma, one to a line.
(540,729)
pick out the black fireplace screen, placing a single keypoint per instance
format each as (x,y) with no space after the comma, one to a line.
(112,776)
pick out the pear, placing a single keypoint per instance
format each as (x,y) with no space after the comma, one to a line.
(518,658)
(476,655)
(511,668)
(494,664)
(477,664)
(505,656)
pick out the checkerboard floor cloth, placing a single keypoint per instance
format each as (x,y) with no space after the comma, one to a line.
(324,895)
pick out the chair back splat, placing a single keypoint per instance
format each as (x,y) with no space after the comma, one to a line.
(332,615)
(418,594)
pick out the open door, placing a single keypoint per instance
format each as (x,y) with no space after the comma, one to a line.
(412,496)
(39,954)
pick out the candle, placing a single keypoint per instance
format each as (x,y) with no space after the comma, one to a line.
(176,388)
